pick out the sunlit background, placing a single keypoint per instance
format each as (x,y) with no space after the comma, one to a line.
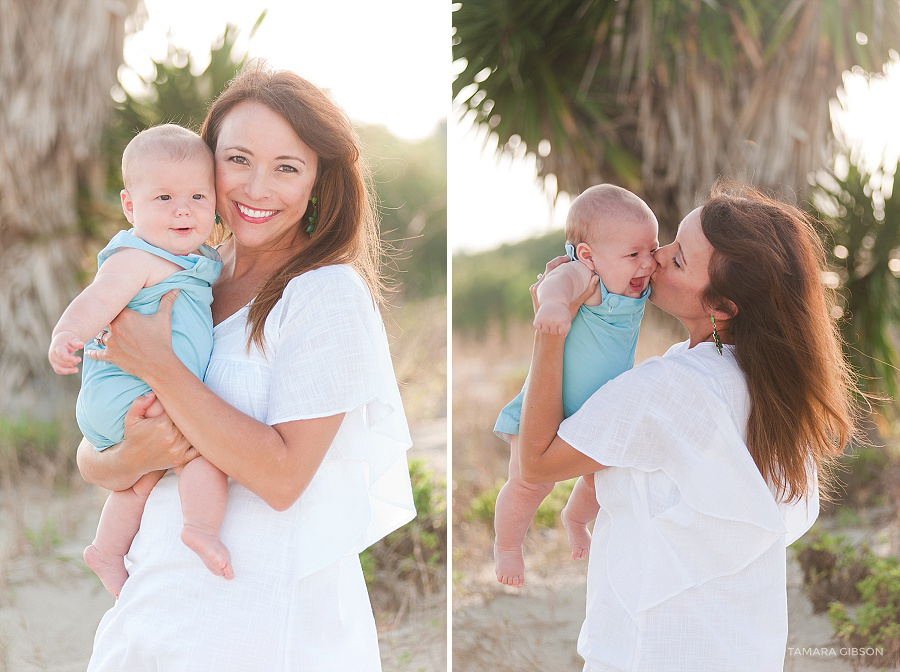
(384,62)
(505,190)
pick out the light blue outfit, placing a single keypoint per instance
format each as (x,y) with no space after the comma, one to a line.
(599,346)
(106,391)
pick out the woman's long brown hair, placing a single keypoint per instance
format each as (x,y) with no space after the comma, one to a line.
(768,261)
(347,230)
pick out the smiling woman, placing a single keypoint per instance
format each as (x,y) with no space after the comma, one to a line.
(263,192)
(299,407)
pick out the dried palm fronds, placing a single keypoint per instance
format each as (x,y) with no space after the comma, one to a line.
(58,60)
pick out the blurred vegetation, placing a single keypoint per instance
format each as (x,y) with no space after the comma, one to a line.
(875,623)
(860,591)
(415,556)
(491,288)
(863,244)
(863,471)
(832,566)
(661,97)
(411,182)
(481,509)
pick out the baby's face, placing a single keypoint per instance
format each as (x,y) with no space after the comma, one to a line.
(623,257)
(172,204)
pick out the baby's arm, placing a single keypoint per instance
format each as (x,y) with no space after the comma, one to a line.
(120,277)
(558,289)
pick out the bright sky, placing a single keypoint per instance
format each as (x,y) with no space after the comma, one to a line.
(505,192)
(384,62)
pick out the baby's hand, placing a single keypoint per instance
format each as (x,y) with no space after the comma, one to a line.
(62,352)
(553,318)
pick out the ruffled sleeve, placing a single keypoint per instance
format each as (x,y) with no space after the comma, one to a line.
(331,356)
(683,498)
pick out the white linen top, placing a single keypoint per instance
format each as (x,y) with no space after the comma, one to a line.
(687,568)
(298,600)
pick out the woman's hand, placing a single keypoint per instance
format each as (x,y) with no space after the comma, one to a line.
(576,303)
(553,263)
(150,444)
(137,343)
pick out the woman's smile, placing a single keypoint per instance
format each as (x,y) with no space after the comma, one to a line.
(253,215)
(265,176)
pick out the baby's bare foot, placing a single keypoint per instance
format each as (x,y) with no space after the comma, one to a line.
(210,549)
(110,569)
(579,536)
(509,563)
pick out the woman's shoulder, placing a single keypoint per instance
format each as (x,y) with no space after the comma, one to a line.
(331,278)
(683,368)
(335,288)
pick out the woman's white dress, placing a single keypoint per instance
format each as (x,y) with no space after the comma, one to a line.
(688,561)
(298,600)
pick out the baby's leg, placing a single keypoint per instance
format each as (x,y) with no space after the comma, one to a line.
(204,493)
(581,509)
(119,522)
(513,512)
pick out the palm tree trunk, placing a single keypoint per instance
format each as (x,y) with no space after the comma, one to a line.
(58,61)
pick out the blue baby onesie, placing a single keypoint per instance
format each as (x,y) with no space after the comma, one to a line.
(106,391)
(599,346)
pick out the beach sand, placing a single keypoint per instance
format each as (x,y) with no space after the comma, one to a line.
(50,603)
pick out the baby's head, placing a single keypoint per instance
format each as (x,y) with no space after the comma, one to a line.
(169,195)
(615,234)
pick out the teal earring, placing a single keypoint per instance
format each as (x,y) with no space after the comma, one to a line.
(218,219)
(313,218)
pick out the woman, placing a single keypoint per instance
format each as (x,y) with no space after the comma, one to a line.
(299,407)
(706,460)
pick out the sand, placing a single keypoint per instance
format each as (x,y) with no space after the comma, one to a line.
(50,603)
(500,629)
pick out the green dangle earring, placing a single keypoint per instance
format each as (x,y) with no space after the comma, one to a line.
(218,219)
(313,218)
(715,335)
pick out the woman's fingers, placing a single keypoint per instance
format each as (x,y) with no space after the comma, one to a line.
(135,342)
(166,303)
(591,288)
(156,439)
(585,295)
(555,262)
(138,409)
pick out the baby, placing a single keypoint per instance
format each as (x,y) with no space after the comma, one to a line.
(611,233)
(169,199)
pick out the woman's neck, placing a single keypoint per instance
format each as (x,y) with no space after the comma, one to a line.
(241,262)
(701,331)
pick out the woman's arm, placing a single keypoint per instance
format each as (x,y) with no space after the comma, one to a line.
(150,444)
(283,458)
(543,456)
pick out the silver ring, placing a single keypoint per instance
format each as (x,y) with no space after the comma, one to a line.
(99,340)
(540,275)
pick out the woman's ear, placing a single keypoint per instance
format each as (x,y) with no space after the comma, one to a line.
(127,205)
(725,311)
(585,254)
